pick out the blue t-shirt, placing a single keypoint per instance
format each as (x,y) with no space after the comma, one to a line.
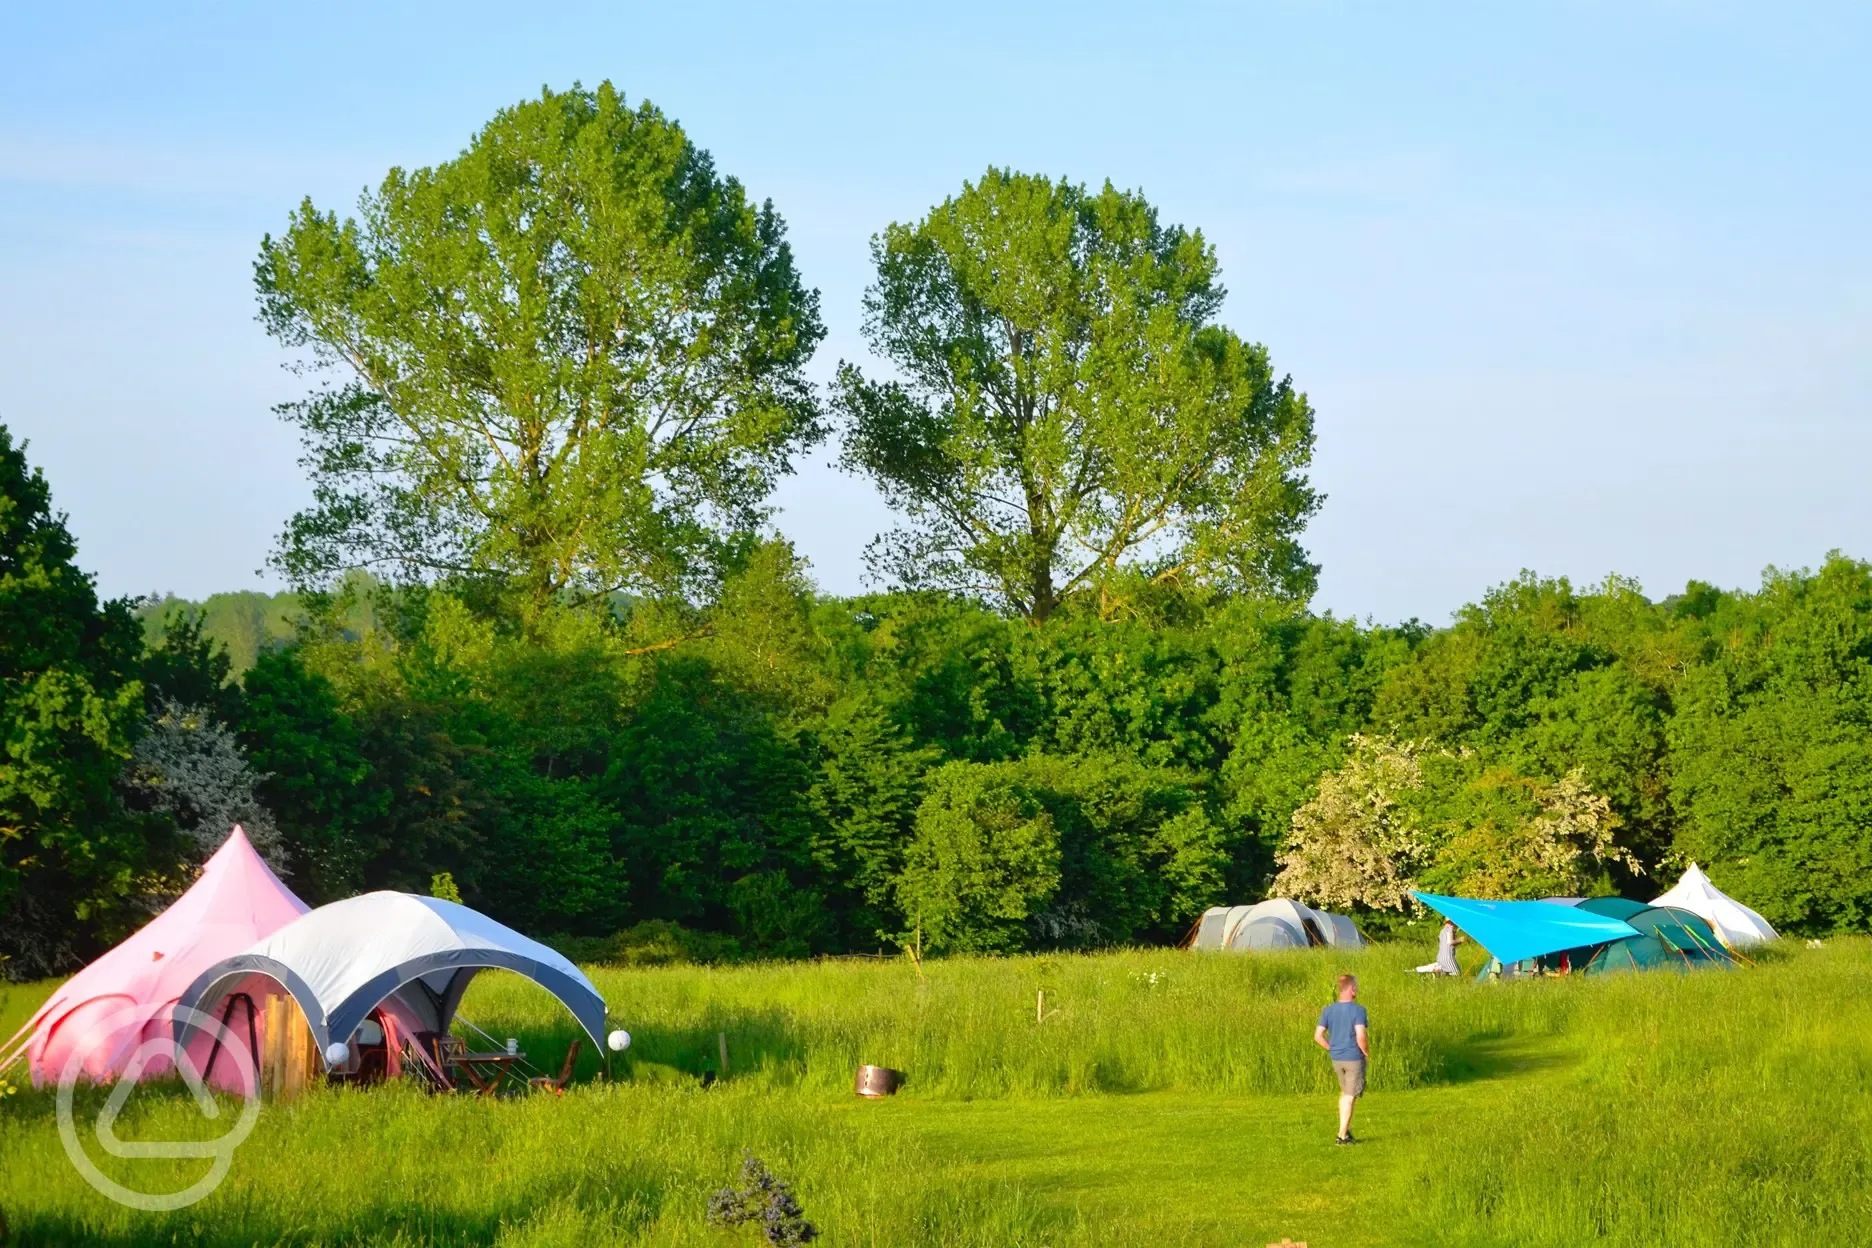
(1339,1019)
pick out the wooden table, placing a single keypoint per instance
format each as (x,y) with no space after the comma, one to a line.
(488,1072)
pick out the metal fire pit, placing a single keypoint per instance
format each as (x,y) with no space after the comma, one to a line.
(877,1081)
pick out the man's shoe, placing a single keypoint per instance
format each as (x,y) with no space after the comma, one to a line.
(1344,1139)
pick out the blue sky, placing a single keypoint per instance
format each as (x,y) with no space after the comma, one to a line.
(1583,288)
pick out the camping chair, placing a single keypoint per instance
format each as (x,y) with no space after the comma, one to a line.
(557,1087)
(430,1055)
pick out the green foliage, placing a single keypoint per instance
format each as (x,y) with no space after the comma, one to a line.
(1772,748)
(187,666)
(317,783)
(1542,679)
(753,767)
(71,706)
(761,636)
(985,861)
(1399,816)
(707,790)
(867,786)
(571,357)
(242,624)
(654,942)
(1059,851)
(1496,833)
(1140,855)
(442,887)
(1069,408)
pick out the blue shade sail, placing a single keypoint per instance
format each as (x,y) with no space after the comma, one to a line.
(1514,930)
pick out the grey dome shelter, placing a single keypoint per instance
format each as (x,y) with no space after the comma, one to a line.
(407,955)
(1277,923)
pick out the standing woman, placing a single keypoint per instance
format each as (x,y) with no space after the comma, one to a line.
(1446,943)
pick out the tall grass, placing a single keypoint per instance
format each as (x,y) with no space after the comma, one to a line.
(1710,1109)
(1140,1021)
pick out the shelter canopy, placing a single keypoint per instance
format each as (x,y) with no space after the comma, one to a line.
(1516,930)
(343,960)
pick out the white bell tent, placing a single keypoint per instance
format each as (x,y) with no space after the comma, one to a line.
(1736,924)
(403,957)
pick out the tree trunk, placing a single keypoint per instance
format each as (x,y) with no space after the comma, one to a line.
(1045,597)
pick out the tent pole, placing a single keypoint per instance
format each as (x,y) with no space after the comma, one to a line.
(1704,945)
(253,1040)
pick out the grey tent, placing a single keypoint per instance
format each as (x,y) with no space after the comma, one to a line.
(1276,923)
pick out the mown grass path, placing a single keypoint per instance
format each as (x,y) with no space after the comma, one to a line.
(1199,1170)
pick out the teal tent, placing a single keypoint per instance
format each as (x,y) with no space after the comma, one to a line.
(1513,931)
(1667,937)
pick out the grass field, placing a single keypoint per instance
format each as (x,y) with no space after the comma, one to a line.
(1166,1099)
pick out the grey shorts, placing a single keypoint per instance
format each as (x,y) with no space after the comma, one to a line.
(1351,1077)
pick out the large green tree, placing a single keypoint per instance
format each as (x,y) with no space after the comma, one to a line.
(985,861)
(570,358)
(1772,747)
(1068,407)
(70,709)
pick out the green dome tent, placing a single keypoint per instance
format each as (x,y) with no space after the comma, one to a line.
(1667,936)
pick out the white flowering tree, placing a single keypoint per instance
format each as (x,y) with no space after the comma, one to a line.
(1517,836)
(1358,842)
(190,768)
(1404,815)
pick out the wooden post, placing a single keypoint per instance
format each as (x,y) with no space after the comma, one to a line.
(287,1055)
(272,1045)
(915,950)
(721,1045)
(1040,1007)
(307,1061)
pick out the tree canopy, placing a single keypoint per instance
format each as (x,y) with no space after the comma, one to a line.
(1067,407)
(570,359)
(563,370)
(71,704)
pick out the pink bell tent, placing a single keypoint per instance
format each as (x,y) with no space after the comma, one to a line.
(105,1012)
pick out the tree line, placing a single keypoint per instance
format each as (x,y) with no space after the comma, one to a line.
(544,641)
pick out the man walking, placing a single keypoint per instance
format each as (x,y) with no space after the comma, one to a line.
(1342,1033)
